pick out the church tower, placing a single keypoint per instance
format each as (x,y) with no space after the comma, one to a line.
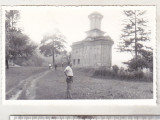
(95,25)
(95,20)
(96,49)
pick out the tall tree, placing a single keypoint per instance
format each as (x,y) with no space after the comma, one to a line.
(18,45)
(135,33)
(52,45)
(12,17)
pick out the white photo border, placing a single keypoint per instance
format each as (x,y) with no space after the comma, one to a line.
(77,102)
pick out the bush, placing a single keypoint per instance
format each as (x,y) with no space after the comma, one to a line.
(148,76)
(123,74)
(138,75)
(104,71)
(115,69)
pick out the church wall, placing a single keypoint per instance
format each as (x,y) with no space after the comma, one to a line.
(94,54)
(106,58)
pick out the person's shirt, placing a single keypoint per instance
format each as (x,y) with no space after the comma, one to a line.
(68,71)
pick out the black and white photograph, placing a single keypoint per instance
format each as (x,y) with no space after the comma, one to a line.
(79,52)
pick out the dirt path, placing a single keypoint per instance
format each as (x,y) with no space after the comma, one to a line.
(26,88)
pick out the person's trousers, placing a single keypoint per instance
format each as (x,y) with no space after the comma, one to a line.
(69,81)
(69,84)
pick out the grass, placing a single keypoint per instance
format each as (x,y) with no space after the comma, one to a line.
(52,86)
(15,74)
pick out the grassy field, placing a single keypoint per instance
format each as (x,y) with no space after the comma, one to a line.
(44,84)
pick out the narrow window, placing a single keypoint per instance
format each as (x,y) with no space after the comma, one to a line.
(78,61)
(73,61)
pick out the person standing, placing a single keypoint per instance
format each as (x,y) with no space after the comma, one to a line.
(69,79)
(55,66)
(50,66)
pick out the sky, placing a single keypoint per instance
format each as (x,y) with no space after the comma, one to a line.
(73,22)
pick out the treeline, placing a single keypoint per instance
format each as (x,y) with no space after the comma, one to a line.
(36,60)
(20,50)
(18,45)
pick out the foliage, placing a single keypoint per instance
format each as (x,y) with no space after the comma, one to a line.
(148,56)
(36,60)
(115,69)
(10,25)
(18,45)
(141,62)
(12,17)
(66,57)
(103,71)
(138,62)
(123,74)
(52,44)
(134,32)
(135,36)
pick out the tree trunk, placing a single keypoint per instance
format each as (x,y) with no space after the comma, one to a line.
(7,64)
(53,54)
(136,38)
(53,57)
(135,35)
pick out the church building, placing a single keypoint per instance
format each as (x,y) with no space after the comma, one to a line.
(96,49)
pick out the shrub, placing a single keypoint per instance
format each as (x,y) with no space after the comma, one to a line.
(103,71)
(123,74)
(148,76)
(115,69)
(138,75)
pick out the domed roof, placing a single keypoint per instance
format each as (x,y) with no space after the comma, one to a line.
(95,14)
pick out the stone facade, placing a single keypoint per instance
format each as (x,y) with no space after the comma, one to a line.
(96,49)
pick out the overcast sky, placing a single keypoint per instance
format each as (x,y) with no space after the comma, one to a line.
(73,22)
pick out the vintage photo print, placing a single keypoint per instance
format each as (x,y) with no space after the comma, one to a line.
(79,53)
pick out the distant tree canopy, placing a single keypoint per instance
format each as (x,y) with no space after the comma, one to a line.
(66,57)
(18,45)
(52,45)
(134,39)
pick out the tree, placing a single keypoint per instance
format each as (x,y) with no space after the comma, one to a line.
(138,62)
(135,34)
(12,17)
(52,44)
(148,56)
(18,45)
(66,57)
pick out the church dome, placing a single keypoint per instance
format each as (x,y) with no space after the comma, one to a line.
(95,14)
